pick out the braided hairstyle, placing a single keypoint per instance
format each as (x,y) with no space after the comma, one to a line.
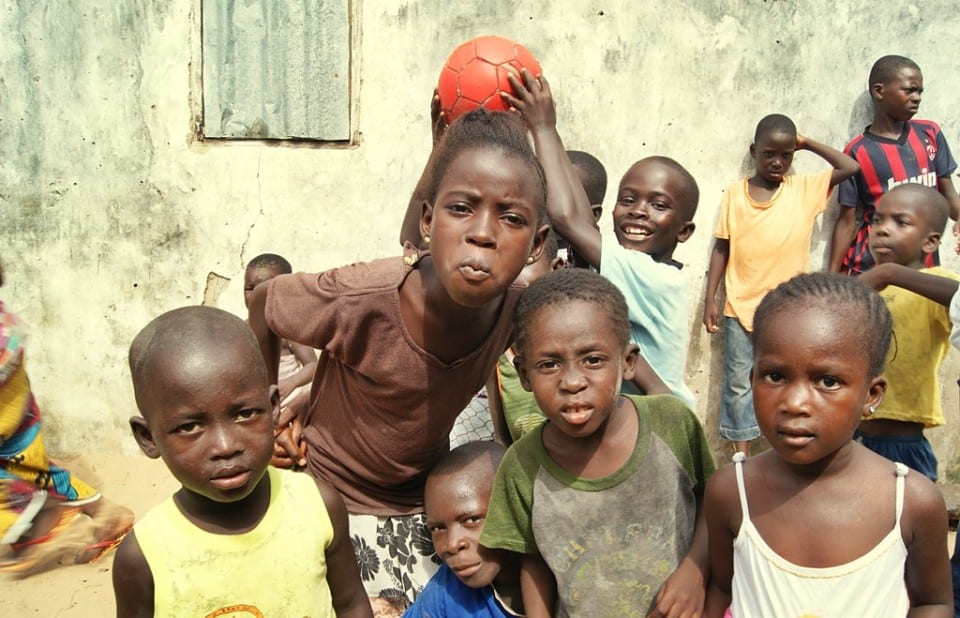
(483,129)
(566,285)
(836,294)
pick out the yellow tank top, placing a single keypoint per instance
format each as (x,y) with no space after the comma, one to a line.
(275,570)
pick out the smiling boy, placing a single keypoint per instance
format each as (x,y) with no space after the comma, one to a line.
(581,498)
(237,534)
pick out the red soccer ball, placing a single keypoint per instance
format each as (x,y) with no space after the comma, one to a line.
(476,73)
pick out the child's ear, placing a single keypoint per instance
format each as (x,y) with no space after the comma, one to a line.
(557,263)
(876,91)
(144,437)
(521,368)
(686,231)
(875,392)
(930,242)
(753,151)
(630,354)
(539,240)
(275,402)
(426,218)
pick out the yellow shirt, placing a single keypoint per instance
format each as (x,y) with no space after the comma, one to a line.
(921,331)
(275,570)
(769,241)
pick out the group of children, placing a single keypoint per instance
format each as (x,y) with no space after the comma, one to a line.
(607,502)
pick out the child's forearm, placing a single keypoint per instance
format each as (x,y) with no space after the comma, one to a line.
(843,166)
(717,602)
(946,188)
(719,256)
(538,587)
(647,380)
(938,289)
(843,230)
(268,340)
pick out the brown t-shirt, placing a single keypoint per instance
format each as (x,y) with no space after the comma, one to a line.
(381,407)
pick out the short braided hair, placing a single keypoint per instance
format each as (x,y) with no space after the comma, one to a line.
(566,285)
(836,293)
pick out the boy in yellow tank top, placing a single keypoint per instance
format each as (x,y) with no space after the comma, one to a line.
(239,538)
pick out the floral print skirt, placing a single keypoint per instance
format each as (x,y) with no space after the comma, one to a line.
(395,555)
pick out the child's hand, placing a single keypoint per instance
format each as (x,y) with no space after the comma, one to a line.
(534,100)
(682,594)
(801,141)
(878,276)
(438,121)
(711,317)
(289,450)
(956,234)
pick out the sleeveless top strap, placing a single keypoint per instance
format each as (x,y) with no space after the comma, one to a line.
(901,472)
(738,459)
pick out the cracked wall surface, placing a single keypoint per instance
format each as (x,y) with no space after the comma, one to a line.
(112,212)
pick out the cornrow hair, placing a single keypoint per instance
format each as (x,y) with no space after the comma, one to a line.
(774,123)
(837,293)
(484,129)
(273,261)
(567,285)
(885,69)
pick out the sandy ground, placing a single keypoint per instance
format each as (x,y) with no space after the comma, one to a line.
(85,591)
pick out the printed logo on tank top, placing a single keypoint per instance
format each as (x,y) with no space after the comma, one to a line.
(237,611)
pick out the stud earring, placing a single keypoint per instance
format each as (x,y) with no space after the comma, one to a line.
(530,259)
(871,410)
(426,239)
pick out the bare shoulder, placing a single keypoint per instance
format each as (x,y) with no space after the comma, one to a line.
(132,579)
(336,509)
(923,504)
(721,497)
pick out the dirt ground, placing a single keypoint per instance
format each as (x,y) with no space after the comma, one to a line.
(85,591)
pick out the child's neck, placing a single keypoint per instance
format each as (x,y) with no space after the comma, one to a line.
(225,517)
(506,585)
(761,189)
(439,325)
(886,126)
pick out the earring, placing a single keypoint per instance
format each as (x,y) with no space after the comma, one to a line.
(530,259)
(426,239)
(871,410)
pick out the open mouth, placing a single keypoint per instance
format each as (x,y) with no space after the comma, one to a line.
(636,232)
(576,414)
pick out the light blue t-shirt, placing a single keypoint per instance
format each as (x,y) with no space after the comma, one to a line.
(657,302)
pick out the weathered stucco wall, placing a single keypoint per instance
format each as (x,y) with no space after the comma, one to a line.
(112,212)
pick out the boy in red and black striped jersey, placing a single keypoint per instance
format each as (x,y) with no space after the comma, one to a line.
(892,150)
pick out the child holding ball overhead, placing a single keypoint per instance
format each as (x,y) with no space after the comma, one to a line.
(407,341)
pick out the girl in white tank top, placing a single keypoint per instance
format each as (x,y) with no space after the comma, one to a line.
(818,526)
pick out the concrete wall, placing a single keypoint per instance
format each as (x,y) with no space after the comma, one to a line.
(113,212)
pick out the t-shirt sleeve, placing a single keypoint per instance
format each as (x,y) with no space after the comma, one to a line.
(304,307)
(635,273)
(816,191)
(509,521)
(944,163)
(679,427)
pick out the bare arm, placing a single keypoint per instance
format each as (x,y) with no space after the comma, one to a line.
(349,597)
(938,289)
(501,433)
(410,228)
(719,256)
(538,587)
(927,571)
(132,580)
(946,188)
(720,536)
(567,203)
(843,230)
(647,380)
(843,166)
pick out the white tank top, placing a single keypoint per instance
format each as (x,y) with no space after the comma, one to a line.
(765,585)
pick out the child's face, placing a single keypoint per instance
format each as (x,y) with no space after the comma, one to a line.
(483,225)
(456,506)
(772,155)
(810,383)
(651,210)
(574,363)
(900,232)
(253,277)
(900,97)
(210,416)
